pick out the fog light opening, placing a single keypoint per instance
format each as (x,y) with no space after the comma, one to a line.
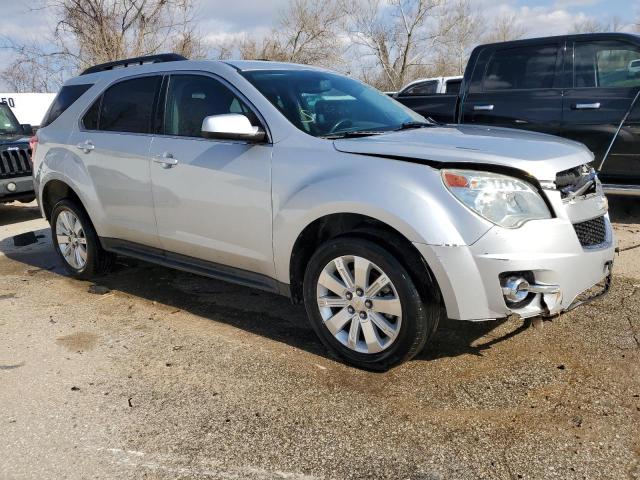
(515,288)
(11,187)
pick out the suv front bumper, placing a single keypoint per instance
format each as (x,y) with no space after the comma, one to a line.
(16,188)
(469,276)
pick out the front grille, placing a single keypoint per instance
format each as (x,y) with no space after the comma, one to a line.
(15,162)
(592,232)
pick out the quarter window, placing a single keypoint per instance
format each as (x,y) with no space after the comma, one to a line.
(65,98)
(191,98)
(522,68)
(606,64)
(125,107)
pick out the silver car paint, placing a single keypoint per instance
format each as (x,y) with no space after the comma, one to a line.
(215,201)
(537,154)
(272,192)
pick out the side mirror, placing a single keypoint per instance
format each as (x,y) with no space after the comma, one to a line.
(27,129)
(231,126)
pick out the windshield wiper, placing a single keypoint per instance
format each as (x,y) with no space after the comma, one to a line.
(353,134)
(410,125)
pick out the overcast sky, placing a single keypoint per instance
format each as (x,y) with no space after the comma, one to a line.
(219,18)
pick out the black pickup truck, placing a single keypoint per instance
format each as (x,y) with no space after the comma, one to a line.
(582,87)
(16,182)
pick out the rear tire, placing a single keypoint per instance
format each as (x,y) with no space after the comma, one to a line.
(355,280)
(76,242)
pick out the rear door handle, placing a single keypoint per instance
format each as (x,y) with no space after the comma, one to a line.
(86,147)
(166,160)
(587,106)
(483,108)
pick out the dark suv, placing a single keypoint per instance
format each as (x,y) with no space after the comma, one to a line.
(581,87)
(16,182)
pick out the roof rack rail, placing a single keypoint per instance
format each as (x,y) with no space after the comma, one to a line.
(161,58)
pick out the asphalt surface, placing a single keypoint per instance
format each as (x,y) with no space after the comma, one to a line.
(159,374)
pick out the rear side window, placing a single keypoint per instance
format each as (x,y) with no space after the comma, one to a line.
(453,87)
(422,88)
(606,64)
(127,106)
(66,97)
(522,68)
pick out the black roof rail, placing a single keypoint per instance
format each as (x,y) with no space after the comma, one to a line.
(161,58)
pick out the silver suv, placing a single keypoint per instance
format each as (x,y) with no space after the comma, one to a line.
(300,181)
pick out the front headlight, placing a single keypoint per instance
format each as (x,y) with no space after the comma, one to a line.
(505,201)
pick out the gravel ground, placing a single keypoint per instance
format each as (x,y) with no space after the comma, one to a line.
(165,375)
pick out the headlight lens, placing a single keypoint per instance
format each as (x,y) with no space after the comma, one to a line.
(503,200)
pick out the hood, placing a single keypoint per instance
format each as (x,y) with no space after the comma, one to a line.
(539,155)
(8,140)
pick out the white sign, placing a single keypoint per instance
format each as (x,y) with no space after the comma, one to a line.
(28,107)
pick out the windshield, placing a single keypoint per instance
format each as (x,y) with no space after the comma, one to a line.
(324,104)
(8,121)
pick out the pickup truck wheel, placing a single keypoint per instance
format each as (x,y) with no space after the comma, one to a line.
(76,242)
(364,306)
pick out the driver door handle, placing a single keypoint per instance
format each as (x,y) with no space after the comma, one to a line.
(483,108)
(587,106)
(86,147)
(166,160)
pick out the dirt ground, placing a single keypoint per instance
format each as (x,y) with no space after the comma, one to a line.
(173,376)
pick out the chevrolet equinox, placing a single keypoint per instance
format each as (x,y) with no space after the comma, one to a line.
(300,181)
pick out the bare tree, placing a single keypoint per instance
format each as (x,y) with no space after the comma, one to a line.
(34,69)
(307,31)
(461,27)
(88,32)
(398,34)
(506,27)
(592,25)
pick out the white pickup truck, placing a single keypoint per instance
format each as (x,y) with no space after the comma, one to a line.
(431,86)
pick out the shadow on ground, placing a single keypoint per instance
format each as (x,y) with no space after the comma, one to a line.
(11,213)
(262,313)
(624,210)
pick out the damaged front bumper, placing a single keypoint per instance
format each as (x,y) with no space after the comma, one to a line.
(558,272)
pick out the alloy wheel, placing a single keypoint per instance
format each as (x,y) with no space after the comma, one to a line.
(359,304)
(71,239)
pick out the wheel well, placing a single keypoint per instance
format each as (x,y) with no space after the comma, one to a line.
(355,225)
(53,192)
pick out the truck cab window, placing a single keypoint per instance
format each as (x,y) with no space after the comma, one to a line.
(606,64)
(522,68)
(453,87)
(422,88)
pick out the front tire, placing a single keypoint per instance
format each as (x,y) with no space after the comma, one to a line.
(364,306)
(76,242)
